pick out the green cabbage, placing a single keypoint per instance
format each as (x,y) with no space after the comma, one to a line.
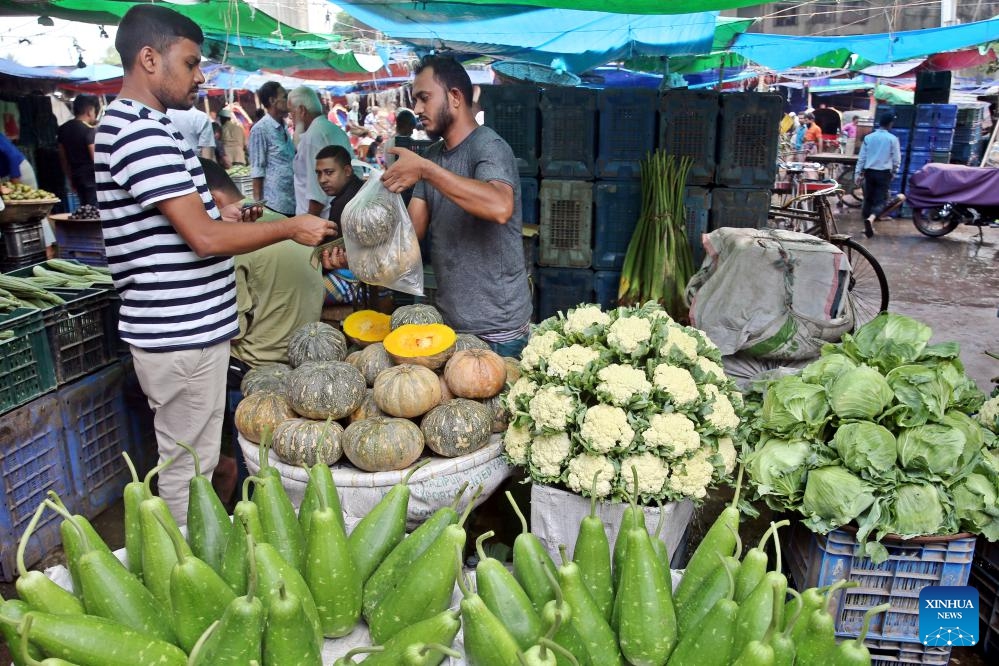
(834,497)
(860,393)
(974,439)
(826,369)
(923,393)
(888,341)
(866,448)
(791,406)
(777,471)
(932,448)
(917,510)
(975,499)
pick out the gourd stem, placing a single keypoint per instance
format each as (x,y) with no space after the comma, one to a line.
(194,454)
(563,554)
(131,466)
(593,494)
(457,498)
(28,531)
(147,482)
(516,510)
(478,544)
(414,469)
(471,505)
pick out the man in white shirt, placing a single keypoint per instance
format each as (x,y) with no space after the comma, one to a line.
(315,132)
(196,127)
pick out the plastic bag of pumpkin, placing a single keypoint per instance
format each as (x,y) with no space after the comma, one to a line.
(381,244)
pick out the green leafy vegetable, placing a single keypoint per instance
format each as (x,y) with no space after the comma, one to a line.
(860,393)
(888,341)
(932,448)
(834,497)
(793,407)
(866,448)
(977,502)
(917,509)
(828,368)
(778,469)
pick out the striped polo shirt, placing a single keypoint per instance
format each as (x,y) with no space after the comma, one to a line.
(171,298)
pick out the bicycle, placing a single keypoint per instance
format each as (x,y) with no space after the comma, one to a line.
(811,213)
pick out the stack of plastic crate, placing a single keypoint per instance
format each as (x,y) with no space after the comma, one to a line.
(933,135)
(967,136)
(985,578)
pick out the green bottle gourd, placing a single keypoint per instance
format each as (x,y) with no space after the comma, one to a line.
(320,484)
(854,652)
(819,637)
(530,560)
(756,653)
(23,648)
(487,642)
(441,628)
(546,652)
(720,539)
(207,519)
(633,516)
(12,611)
(278,519)
(418,597)
(756,612)
(398,564)
(754,565)
(382,529)
(647,629)
(38,590)
(801,606)
(132,496)
(565,634)
(274,572)
(348,659)
(245,520)
(592,554)
(238,639)
(712,589)
(111,591)
(158,553)
(427,654)
(780,639)
(330,572)
(661,551)
(504,596)
(288,635)
(72,543)
(709,642)
(198,595)
(598,637)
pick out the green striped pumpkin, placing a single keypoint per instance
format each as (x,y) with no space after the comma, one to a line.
(382,444)
(371,361)
(457,428)
(270,377)
(259,412)
(418,313)
(326,389)
(316,341)
(469,341)
(307,441)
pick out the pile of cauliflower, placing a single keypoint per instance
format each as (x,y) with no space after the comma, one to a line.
(604,392)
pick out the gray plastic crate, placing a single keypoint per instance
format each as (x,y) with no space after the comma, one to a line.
(566,223)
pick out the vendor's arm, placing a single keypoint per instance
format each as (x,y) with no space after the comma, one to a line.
(490,200)
(208,237)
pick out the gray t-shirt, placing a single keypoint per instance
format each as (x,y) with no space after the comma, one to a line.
(482,283)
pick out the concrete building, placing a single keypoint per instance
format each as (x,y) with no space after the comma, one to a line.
(854,17)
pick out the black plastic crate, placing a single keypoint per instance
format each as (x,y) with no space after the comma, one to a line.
(697,204)
(512,111)
(733,207)
(529,200)
(627,122)
(688,126)
(531,250)
(33,461)
(7,265)
(568,132)
(964,153)
(97,433)
(566,223)
(605,288)
(560,289)
(747,139)
(905,115)
(78,332)
(26,368)
(81,240)
(617,204)
(970,115)
(985,579)
(22,239)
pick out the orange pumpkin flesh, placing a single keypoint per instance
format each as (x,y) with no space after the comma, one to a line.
(429,345)
(366,326)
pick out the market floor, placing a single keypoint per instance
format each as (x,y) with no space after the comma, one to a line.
(950,283)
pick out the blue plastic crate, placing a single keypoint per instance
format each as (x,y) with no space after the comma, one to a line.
(97,431)
(33,461)
(618,203)
(936,115)
(560,289)
(697,204)
(568,132)
(897,653)
(964,153)
(605,288)
(817,560)
(26,367)
(942,139)
(922,138)
(512,112)
(529,200)
(82,240)
(566,223)
(627,122)
(905,114)
(738,207)
(747,139)
(917,160)
(688,126)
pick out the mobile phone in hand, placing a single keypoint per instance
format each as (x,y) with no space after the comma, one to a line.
(253,204)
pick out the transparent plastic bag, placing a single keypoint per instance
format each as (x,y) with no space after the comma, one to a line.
(381,244)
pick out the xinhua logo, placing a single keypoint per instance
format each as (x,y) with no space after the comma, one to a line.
(948,616)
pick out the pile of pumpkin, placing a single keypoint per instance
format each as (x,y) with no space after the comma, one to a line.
(411,383)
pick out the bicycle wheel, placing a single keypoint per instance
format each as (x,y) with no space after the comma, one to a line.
(868,288)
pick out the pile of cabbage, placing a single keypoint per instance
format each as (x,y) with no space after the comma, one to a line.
(878,432)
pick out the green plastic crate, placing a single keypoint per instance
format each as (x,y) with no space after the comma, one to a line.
(26,367)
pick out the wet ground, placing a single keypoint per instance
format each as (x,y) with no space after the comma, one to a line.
(949,283)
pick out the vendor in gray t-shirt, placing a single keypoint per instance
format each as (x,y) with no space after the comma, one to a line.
(469,188)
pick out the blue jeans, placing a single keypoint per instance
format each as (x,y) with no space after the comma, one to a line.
(510,348)
(233,397)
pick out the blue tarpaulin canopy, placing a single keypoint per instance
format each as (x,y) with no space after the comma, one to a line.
(581,39)
(11,68)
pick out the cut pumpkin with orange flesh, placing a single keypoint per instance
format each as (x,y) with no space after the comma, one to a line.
(429,345)
(365,327)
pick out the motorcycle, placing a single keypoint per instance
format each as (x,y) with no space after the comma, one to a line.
(943,196)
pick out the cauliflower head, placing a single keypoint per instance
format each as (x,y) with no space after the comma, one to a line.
(652,474)
(678,384)
(515,444)
(678,342)
(566,360)
(539,346)
(714,372)
(620,383)
(551,408)
(606,428)
(581,470)
(548,452)
(722,416)
(627,334)
(673,432)
(726,448)
(521,387)
(691,477)
(581,318)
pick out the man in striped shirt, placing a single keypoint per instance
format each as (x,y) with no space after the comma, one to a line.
(169,247)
